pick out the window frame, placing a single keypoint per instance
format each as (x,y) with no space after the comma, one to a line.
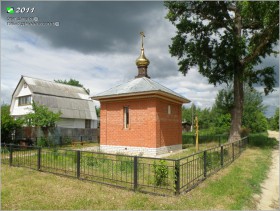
(126,117)
(23,100)
(169,111)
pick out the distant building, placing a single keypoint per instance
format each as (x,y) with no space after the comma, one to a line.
(186,126)
(140,116)
(78,110)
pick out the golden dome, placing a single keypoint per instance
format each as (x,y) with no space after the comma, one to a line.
(142,60)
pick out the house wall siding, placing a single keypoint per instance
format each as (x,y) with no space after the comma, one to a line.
(24,91)
(20,110)
(17,110)
(75,123)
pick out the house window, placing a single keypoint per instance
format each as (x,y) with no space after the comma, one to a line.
(126,116)
(87,123)
(25,100)
(169,109)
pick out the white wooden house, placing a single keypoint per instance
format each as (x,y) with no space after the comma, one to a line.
(78,110)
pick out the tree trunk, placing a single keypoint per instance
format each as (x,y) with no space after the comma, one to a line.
(237,110)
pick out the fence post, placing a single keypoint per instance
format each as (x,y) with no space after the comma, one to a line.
(222,156)
(219,140)
(39,159)
(239,145)
(205,162)
(232,151)
(135,181)
(177,177)
(11,155)
(78,164)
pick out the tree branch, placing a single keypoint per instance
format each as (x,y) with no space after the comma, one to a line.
(258,49)
(231,7)
(252,25)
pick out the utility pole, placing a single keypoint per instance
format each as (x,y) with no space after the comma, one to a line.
(196,134)
(192,119)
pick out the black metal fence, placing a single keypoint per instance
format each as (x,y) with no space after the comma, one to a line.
(152,175)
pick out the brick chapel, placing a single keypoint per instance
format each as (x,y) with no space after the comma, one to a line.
(140,117)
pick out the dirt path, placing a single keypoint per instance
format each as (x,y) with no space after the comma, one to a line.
(269,199)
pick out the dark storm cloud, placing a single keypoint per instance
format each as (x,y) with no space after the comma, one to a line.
(91,27)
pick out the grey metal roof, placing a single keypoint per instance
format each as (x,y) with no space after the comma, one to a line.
(53,88)
(138,85)
(70,108)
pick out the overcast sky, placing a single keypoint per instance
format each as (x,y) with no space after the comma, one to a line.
(97,44)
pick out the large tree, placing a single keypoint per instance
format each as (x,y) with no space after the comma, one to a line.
(226,40)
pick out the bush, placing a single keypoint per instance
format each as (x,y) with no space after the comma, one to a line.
(213,159)
(188,138)
(161,173)
(244,132)
(55,153)
(95,161)
(42,142)
(66,140)
(262,140)
(124,163)
(4,150)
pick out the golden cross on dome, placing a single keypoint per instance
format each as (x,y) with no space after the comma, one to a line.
(143,35)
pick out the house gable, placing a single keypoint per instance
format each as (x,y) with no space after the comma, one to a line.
(21,90)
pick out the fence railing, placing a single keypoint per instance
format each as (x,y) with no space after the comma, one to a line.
(153,175)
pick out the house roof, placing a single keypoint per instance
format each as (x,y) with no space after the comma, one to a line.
(69,107)
(74,102)
(139,86)
(55,89)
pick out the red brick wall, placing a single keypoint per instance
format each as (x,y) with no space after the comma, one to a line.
(150,125)
(169,126)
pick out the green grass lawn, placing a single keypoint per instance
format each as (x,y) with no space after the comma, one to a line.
(189,149)
(79,146)
(230,188)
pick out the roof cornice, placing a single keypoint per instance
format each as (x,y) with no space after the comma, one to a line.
(137,95)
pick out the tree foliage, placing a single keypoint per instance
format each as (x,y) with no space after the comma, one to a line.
(253,112)
(217,120)
(41,117)
(72,82)
(274,121)
(226,40)
(8,124)
(205,119)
